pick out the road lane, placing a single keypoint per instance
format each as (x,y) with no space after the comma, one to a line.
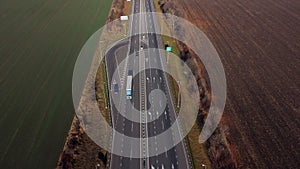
(175,157)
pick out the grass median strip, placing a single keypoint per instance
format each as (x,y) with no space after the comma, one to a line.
(102,92)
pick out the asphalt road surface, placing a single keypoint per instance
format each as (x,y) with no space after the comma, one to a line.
(142,85)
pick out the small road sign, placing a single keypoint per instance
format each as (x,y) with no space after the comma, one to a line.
(169,49)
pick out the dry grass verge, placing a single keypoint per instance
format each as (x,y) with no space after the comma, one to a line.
(79,150)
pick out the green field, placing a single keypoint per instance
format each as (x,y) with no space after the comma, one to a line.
(39,43)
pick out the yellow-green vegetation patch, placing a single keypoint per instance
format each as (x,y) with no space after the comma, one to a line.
(157,6)
(197,150)
(102,92)
(172,43)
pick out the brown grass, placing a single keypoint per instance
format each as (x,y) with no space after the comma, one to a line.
(127,7)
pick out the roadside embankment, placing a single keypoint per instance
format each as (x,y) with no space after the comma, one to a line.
(216,147)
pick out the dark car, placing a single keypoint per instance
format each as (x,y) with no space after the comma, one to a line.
(116,88)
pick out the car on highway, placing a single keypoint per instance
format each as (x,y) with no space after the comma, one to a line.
(116,88)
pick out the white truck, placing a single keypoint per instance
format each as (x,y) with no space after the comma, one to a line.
(129,85)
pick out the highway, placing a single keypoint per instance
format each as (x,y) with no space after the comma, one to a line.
(143,84)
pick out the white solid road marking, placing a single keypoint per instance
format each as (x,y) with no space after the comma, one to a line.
(130,153)
(166,152)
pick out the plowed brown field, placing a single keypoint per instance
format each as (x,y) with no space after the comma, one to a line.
(259,45)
